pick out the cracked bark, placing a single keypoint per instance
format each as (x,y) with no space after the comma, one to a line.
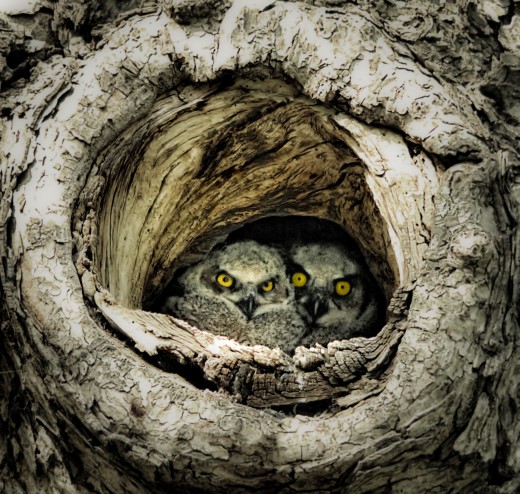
(121,133)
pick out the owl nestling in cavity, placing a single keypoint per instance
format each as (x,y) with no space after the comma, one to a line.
(241,290)
(335,292)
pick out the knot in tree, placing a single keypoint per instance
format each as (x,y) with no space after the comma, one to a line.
(259,247)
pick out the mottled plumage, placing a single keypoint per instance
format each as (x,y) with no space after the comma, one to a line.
(335,292)
(241,291)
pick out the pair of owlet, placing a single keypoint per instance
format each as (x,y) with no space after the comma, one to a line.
(258,294)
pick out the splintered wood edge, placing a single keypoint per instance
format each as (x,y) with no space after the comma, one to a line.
(257,376)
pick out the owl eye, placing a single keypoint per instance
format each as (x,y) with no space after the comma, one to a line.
(299,280)
(342,288)
(225,280)
(267,286)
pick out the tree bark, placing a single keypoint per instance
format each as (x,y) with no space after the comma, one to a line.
(135,137)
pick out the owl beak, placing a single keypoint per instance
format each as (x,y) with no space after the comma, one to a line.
(316,307)
(248,305)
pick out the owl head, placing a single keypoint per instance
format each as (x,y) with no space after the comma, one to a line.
(245,275)
(334,288)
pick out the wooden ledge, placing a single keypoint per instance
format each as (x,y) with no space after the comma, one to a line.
(257,376)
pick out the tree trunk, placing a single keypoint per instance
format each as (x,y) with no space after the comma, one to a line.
(136,136)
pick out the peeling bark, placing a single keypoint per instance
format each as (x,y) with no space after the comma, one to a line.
(125,126)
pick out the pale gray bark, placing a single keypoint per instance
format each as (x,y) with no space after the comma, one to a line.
(127,151)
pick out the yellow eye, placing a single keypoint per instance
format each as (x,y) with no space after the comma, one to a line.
(299,280)
(267,286)
(342,288)
(225,280)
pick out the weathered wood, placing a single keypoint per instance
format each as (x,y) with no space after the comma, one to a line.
(257,376)
(278,170)
(120,115)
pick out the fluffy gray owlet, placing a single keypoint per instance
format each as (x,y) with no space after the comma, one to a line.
(241,291)
(335,292)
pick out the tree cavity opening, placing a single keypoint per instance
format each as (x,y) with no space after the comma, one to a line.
(212,160)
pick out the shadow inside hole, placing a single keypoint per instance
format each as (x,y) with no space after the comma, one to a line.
(255,149)
(339,297)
